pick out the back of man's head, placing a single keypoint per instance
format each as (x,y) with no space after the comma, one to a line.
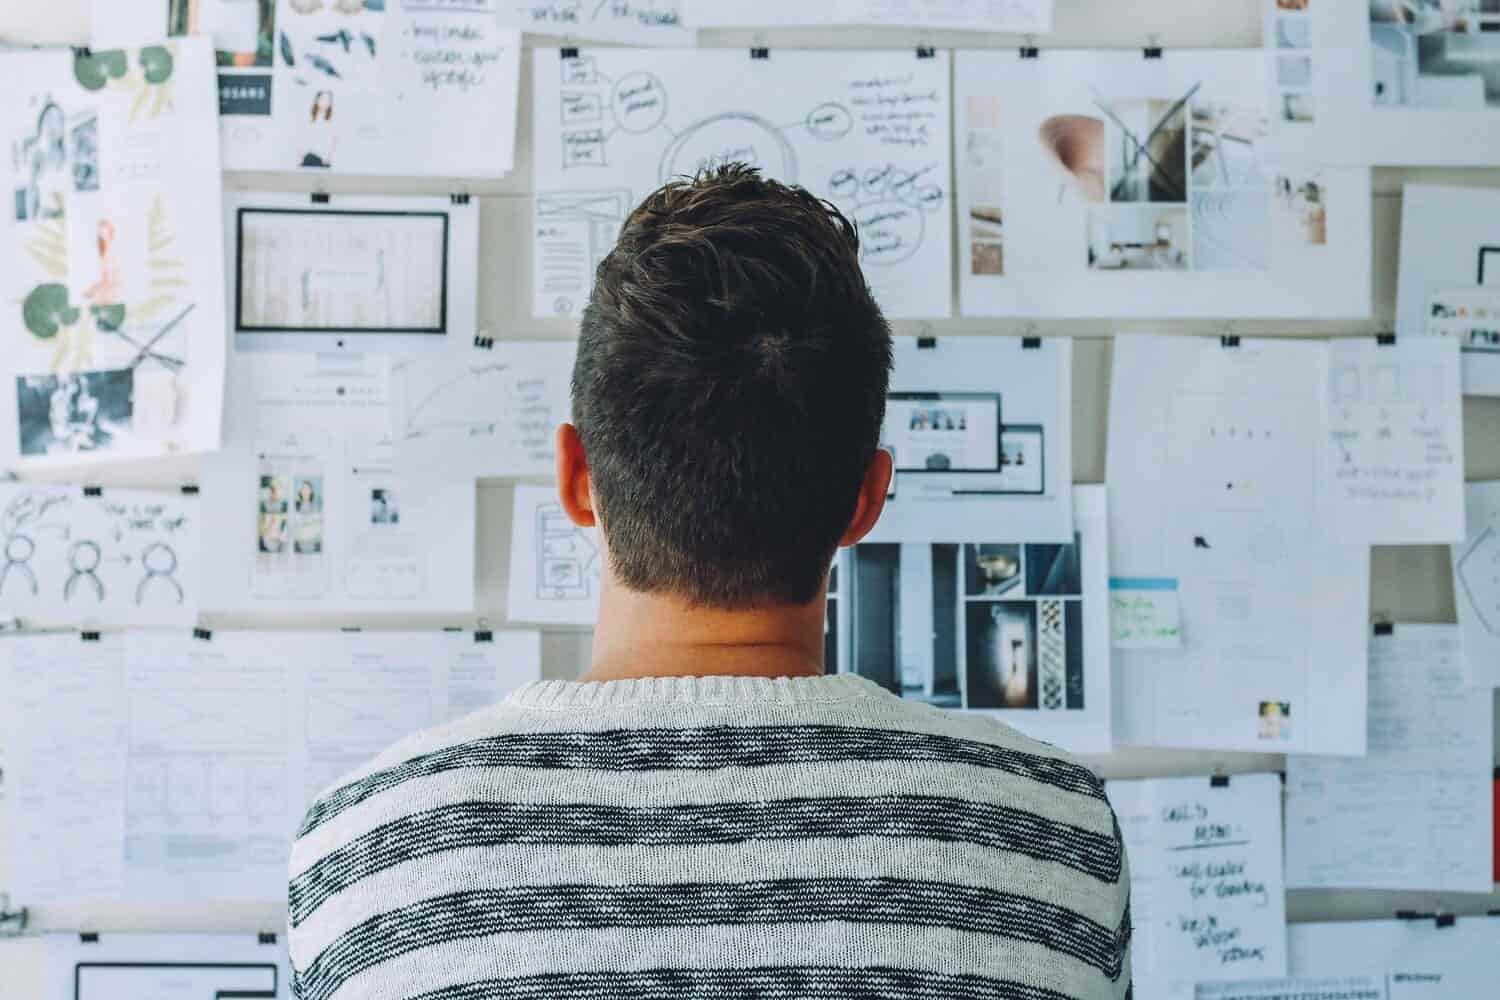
(729,390)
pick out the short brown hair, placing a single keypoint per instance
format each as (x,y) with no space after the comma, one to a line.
(729,390)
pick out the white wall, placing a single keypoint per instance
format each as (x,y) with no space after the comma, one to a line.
(1410,585)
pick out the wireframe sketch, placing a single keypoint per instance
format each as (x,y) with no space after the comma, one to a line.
(567,559)
(119,556)
(868,132)
(1435,53)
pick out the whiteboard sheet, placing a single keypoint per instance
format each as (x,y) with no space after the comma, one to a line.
(1476,585)
(1396,435)
(1207,900)
(389,88)
(109,264)
(867,130)
(1215,458)
(1402,83)
(981,431)
(1098,183)
(312,514)
(395,275)
(554,564)
(630,22)
(1420,960)
(490,408)
(1417,811)
(213,747)
(1450,275)
(1018,630)
(164,967)
(73,556)
(977,15)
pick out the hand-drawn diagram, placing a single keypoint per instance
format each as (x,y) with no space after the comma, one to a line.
(567,559)
(615,124)
(111,278)
(76,556)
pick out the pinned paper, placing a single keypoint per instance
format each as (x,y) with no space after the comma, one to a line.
(1144,613)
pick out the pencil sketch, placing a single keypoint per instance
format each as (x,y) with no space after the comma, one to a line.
(567,559)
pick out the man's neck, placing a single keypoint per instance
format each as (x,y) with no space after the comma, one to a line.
(650,635)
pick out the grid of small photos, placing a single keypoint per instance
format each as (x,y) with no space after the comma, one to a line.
(1291,30)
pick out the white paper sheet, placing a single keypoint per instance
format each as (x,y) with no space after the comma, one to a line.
(1450,274)
(1018,630)
(1476,585)
(1206,895)
(1396,437)
(867,130)
(475,411)
(1417,811)
(978,15)
(109,264)
(379,87)
(182,765)
(554,564)
(121,966)
(981,432)
(1404,82)
(391,274)
(1099,183)
(1215,458)
(311,513)
(121,557)
(1357,988)
(1419,960)
(631,22)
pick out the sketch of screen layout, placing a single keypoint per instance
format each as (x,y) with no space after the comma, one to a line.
(172,980)
(955,444)
(574,232)
(975,626)
(1476,571)
(567,560)
(390,274)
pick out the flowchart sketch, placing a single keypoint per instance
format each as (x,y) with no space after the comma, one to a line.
(554,564)
(870,134)
(1476,585)
(82,556)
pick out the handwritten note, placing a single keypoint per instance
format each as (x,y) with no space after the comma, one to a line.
(1415,813)
(1358,988)
(1395,426)
(635,22)
(1207,897)
(1144,613)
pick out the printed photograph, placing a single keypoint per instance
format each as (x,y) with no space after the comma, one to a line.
(1296,5)
(986,181)
(1146,142)
(1294,71)
(991,570)
(1275,721)
(905,620)
(81,412)
(1435,53)
(1055,570)
(1227,145)
(383,508)
(1296,107)
(1002,654)
(1232,230)
(40,162)
(1139,238)
(1293,33)
(1301,211)
(271,533)
(273,494)
(1075,144)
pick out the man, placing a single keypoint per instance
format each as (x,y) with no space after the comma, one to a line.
(706,814)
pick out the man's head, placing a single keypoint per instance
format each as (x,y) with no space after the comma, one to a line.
(728,394)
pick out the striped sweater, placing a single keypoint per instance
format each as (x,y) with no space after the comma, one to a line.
(712,838)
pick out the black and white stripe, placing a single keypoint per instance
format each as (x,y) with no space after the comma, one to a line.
(482,913)
(486,824)
(707,748)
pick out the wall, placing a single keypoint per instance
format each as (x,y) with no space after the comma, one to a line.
(1409,584)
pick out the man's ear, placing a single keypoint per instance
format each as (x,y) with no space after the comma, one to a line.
(573,478)
(872,494)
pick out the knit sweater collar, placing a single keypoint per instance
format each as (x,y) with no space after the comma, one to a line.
(713,690)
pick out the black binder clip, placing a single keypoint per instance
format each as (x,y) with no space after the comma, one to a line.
(1442,920)
(1385,628)
(1031,343)
(189,489)
(484,343)
(12,922)
(760,52)
(1029,49)
(1385,339)
(458,199)
(266,937)
(320,197)
(926,52)
(204,634)
(93,491)
(484,635)
(82,52)
(1229,340)
(926,343)
(567,52)
(1218,781)
(1152,49)
(88,636)
(88,937)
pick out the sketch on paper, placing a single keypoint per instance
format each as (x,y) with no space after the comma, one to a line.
(871,137)
(632,22)
(119,556)
(110,274)
(567,559)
